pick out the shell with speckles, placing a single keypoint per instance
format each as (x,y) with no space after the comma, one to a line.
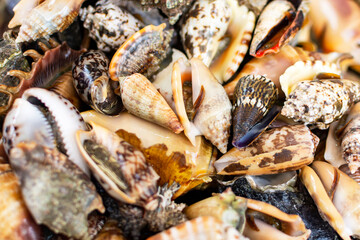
(321,102)
(109,25)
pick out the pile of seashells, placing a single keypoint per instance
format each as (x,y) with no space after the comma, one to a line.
(180,119)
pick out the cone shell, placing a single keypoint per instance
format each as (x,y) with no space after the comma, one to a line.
(203,29)
(48,18)
(15,220)
(336,196)
(240,30)
(277,150)
(142,99)
(141,53)
(303,71)
(254,96)
(200,228)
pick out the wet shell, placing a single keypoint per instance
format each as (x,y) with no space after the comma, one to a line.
(254,96)
(277,150)
(142,99)
(240,30)
(110,231)
(336,196)
(91,80)
(57,193)
(57,128)
(204,28)
(303,71)
(109,25)
(277,25)
(200,228)
(119,167)
(15,220)
(141,53)
(47,18)
(321,102)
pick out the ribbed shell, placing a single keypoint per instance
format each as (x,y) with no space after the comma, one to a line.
(141,53)
(142,99)
(16,222)
(254,96)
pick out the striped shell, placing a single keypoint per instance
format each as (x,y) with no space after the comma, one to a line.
(253,97)
(15,220)
(141,53)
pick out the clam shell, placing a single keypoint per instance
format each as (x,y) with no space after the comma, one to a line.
(305,70)
(278,150)
(48,18)
(15,220)
(203,29)
(141,53)
(56,191)
(142,99)
(200,228)
(173,157)
(240,30)
(138,177)
(109,25)
(253,97)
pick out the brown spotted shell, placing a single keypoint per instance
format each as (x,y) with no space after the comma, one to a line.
(277,150)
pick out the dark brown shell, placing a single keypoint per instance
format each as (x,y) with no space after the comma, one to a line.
(56,192)
(254,96)
(141,53)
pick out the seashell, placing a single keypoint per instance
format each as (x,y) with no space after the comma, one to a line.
(200,228)
(142,99)
(240,30)
(271,65)
(16,221)
(23,8)
(305,70)
(120,168)
(109,25)
(91,80)
(321,102)
(171,8)
(172,156)
(355,176)
(342,37)
(276,28)
(162,80)
(56,192)
(278,150)
(273,182)
(336,196)
(64,86)
(213,107)
(47,18)
(254,96)
(204,28)
(257,220)
(44,70)
(141,53)
(47,118)
(262,221)
(110,232)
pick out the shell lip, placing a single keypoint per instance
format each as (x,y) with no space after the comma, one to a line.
(257,129)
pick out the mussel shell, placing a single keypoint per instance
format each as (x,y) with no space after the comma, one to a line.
(254,96)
